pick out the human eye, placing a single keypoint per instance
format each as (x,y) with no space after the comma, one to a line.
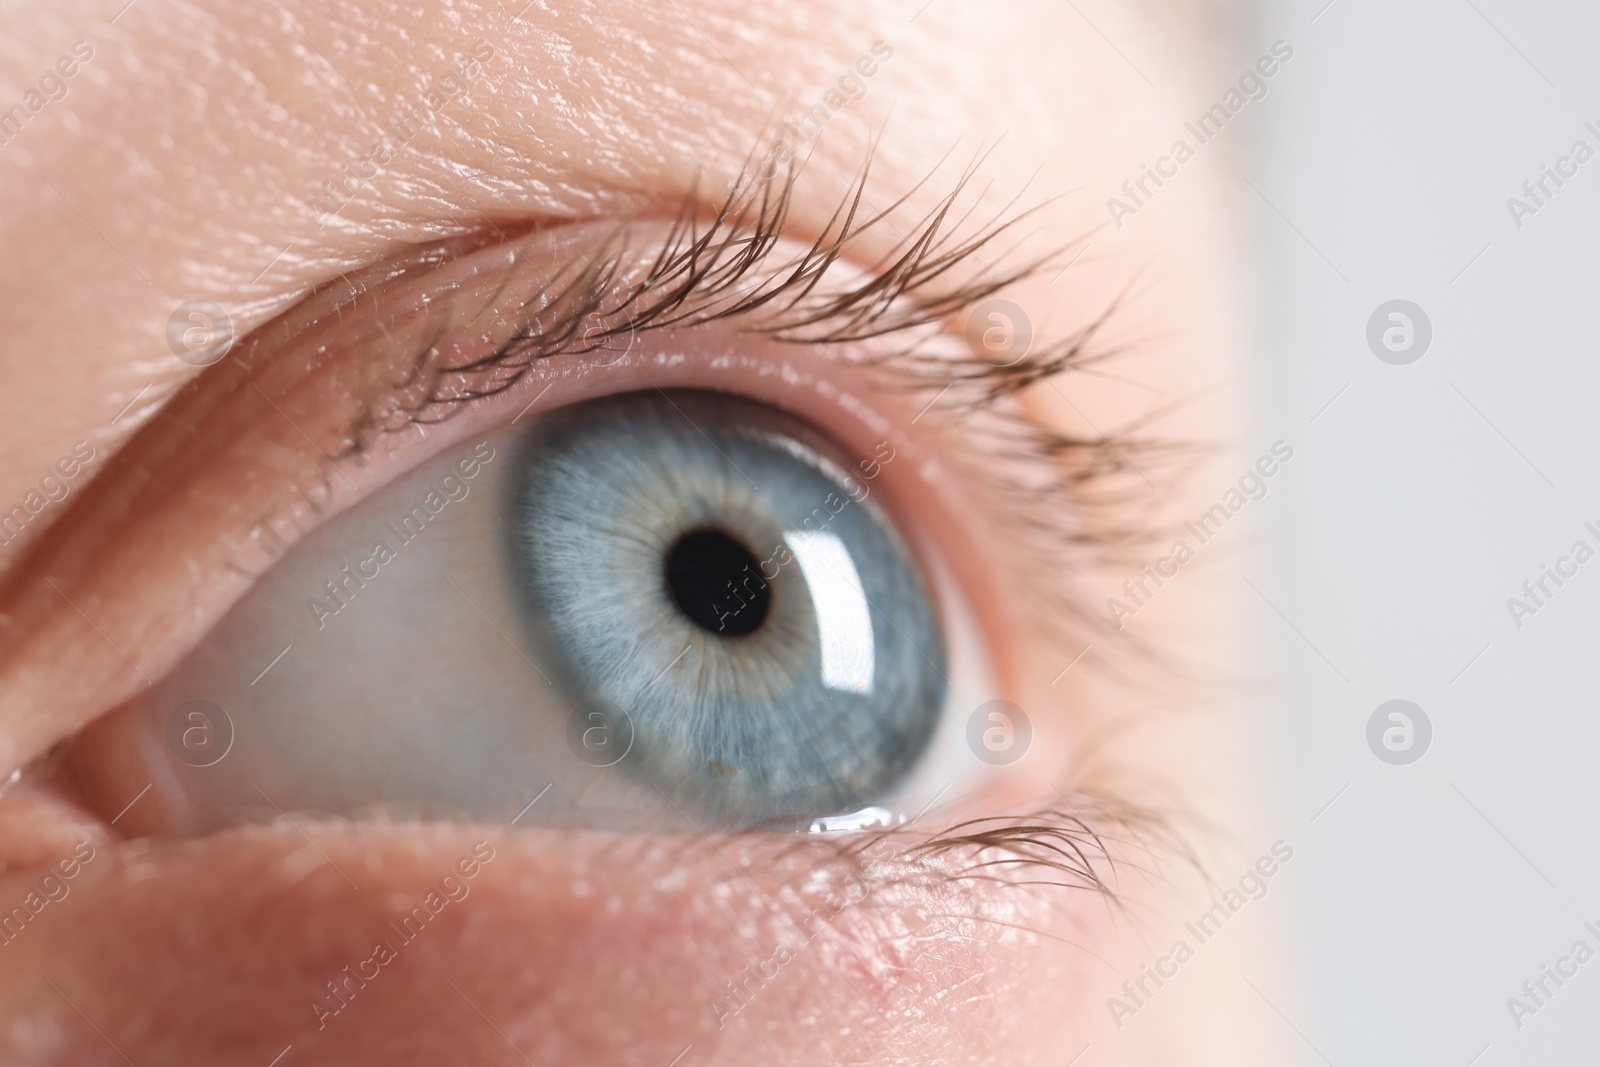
(619,598)
(653,554)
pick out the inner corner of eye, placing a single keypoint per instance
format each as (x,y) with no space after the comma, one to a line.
(654,611)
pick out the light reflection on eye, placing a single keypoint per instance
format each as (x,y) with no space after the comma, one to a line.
(644,609)
(844,626)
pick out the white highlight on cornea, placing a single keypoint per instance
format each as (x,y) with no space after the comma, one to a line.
(865,819)
(844,621)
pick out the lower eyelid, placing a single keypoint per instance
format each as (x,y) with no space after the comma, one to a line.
(872,934)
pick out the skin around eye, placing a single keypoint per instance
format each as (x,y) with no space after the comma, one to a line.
(319,938)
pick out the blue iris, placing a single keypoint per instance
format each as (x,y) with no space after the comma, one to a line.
(701,563)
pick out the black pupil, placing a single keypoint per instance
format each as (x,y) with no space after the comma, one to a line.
(714,579)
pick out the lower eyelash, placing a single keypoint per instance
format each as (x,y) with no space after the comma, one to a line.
(1083,843)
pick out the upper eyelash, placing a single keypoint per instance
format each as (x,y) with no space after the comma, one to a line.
(695,277)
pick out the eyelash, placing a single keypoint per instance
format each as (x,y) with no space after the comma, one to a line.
(1083,842)
(695,277)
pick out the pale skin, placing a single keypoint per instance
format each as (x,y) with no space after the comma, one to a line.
(179,166)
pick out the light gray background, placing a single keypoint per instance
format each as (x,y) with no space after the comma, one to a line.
(1419,500)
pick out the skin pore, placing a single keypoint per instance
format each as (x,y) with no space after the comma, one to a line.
(204,151)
